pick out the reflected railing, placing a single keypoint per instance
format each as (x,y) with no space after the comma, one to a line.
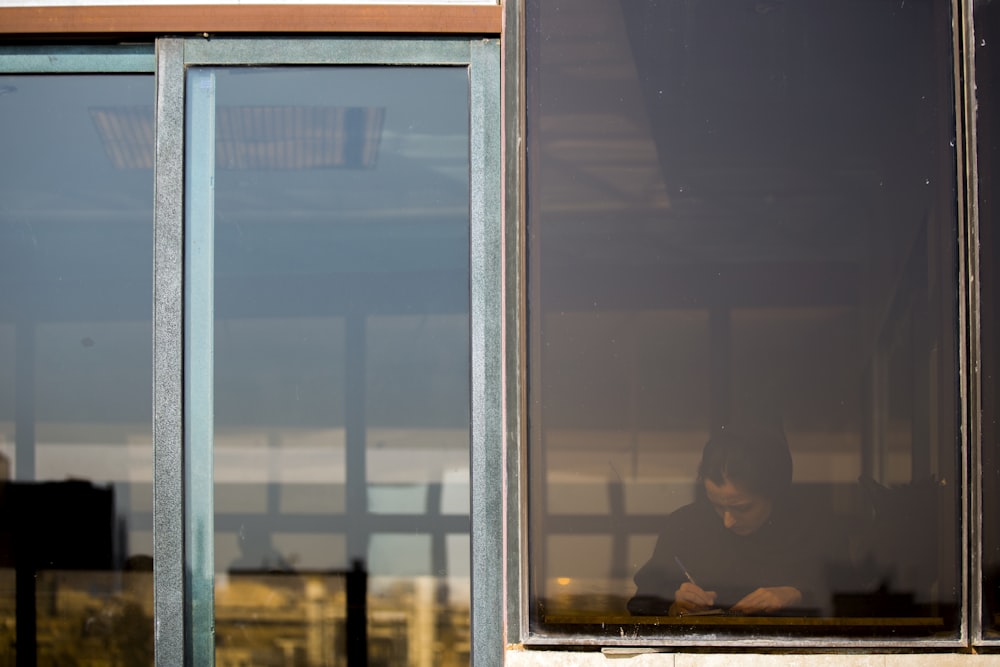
(336,618)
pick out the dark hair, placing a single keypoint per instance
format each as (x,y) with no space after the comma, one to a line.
(758,464)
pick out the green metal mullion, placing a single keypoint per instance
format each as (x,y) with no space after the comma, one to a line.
(168,484)
(487,363)
(514,45)
(198,365)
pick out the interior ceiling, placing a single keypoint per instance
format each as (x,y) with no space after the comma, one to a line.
(720,130)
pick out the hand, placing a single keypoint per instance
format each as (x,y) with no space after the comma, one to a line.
(689,598)
(765,600)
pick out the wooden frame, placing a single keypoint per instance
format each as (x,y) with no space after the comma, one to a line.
(132,20)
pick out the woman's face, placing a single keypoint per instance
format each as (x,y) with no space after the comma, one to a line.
(741,512)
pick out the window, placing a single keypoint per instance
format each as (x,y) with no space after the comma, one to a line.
(341,357)
(76,451)
(293,248)
(742,227)
(336,244)
(331,313)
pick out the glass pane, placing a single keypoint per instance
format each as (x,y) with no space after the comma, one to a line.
(742,230)
(987,23)
(341,364)
(76,199)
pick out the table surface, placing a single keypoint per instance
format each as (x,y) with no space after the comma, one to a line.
(721,619)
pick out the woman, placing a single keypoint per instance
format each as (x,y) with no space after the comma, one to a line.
(743,546)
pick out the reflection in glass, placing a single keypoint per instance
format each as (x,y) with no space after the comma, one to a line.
(341,364)
(739,220)
(75,372)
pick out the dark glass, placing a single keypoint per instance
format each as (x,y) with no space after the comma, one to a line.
(742,220)
(76,200)
(342,364)
(987,31)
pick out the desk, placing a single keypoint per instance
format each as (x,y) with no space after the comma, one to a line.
(626,619)
(616,624)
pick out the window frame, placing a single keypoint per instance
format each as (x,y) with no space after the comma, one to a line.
(186,471)
(975,252)
(969,632)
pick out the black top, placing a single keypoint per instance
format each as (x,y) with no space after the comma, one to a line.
(790,549)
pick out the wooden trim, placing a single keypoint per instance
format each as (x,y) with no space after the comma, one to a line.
(131,20)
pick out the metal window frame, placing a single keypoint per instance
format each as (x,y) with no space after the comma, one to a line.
(971,285)
(168,345)
(185,467)
(969,631)
(515,522)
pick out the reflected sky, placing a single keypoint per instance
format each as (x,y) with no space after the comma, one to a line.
(341,210)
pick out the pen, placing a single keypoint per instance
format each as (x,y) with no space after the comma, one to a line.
(685,571)
(702,612)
